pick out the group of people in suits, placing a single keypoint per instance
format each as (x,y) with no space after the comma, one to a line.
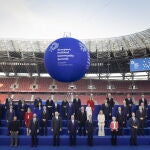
(79,119)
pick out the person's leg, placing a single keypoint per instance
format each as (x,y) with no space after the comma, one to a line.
(32,140)
(11,139)
(57,139)
(100,129)
(132,137)
(54,139)
(91,139)
(135,136)
(16,139)
(115,137)
(88,139)
(70,139)
(142,127)
(80,129)
(112,137)
(36,140)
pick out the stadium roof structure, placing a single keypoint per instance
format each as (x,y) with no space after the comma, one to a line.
(109,55)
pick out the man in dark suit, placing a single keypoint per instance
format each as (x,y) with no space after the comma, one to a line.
(50,108)
(56,128)
(72,130)
(145,109)
(125,109)
(64,109)
(143,100)
(129,103)
(107,112)
(82,121)
(76,105)
(56,106)
(9,116)
(121,120)
(14,131)
(89,130)
(34,130)
(8,102)
(44,120)
(134,123)
(140,114)
(37,101)
(22,108)
(110,100)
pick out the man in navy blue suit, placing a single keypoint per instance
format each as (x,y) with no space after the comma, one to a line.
(56,128)
(134,124)
(89,130)
(50,107)
(143,100)
(34,130)
(72,130)
(44,120)
(82,117)
(9,117)
(76,105)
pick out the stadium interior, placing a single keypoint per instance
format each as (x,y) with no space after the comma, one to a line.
(23,76)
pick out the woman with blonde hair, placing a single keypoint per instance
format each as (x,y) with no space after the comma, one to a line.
(101,123)
(27,119)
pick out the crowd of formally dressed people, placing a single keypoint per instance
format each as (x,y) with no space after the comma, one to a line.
(80,119)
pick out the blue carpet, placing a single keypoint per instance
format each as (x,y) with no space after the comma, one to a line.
(77,147)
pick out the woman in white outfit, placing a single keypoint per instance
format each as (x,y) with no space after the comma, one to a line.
(101,123)
(88,111)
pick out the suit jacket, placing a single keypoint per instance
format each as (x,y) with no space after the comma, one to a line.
(22,107)
(56,125)
(125,109)
(72,128)
(34,127)
(133,122)
(36,102)
(76,103)
(120,117)
(44,115)
(114,126)
(106,110)
(89,127)
(64,106)
(14,126)
(10,115)
(8,102)
(129,101)
(82,117)
(110,102)
(56,107)
(50,105)
(145,102)
(140,114)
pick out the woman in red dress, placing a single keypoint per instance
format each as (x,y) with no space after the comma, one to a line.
(28,117)
(91,102)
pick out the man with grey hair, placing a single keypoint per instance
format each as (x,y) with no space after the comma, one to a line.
(56,128)
(89,131)
(134,124)
(34,130)
(14,131)
(82,121)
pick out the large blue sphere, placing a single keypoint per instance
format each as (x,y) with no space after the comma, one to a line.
(67,59)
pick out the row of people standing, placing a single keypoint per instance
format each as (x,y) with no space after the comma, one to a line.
(56,128)
(120,115)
